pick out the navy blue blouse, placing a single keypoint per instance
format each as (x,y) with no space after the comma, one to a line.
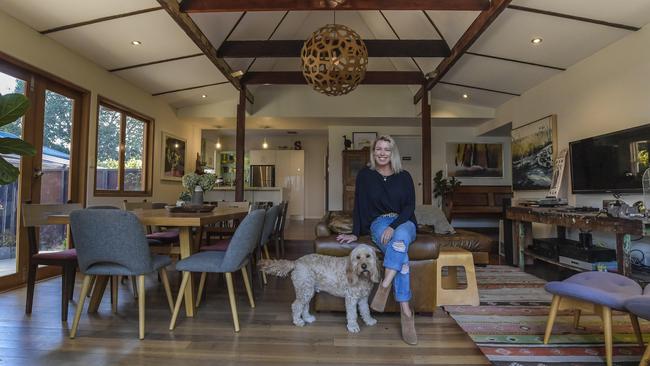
(376,195)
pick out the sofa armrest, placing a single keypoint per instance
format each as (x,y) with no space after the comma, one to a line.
(322,230)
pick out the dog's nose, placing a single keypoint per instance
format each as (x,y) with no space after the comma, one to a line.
(364,266)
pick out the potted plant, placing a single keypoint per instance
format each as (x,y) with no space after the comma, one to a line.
(12,107)
(195,185)
(444,188)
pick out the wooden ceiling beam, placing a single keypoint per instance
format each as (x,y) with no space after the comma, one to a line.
(371,78)
(480,24)
(205,6)
(292,48)
(194,32)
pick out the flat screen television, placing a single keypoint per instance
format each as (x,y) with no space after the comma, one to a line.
(614,162)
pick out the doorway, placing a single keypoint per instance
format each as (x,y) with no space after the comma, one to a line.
(410,148)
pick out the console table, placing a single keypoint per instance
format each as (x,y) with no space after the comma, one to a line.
(524,217)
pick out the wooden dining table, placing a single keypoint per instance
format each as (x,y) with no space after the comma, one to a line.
(184,222)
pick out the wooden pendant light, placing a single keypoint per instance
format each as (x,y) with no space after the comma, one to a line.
(334,60)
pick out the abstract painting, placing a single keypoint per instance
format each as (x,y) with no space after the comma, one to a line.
(474,160)
(533,149)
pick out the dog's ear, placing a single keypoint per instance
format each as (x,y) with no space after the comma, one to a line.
(350,273)
(374,271)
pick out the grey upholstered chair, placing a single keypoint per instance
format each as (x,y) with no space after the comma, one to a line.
(244,241)
(113,243)
(270,222)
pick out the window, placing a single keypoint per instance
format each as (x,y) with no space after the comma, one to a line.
(124,151)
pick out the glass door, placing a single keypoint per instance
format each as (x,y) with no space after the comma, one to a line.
(51,166)
(50,125)
(10,82)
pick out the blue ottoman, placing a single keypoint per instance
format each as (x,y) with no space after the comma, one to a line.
(597,292)
(640,306)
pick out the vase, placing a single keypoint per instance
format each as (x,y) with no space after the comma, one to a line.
(197,196)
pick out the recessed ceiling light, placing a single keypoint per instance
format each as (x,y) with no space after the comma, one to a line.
(136,43)
(267,84)
(237,74)
(536,40)
(465,96)
(203,96)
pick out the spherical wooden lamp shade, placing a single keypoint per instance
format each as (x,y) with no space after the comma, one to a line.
(334,60)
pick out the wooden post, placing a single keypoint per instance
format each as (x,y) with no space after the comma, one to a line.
(426,149)
(239,147)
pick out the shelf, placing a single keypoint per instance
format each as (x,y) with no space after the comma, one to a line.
(552,261)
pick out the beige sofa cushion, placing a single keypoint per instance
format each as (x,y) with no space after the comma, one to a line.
(429,215)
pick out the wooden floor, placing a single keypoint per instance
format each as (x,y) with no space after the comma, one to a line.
(267,335)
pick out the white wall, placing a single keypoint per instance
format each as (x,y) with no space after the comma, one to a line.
(606,92)
(27,45)
(439,137)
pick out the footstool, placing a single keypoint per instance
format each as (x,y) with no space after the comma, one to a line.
(447,291)
(595,292)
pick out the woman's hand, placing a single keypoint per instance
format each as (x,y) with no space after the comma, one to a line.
(346,238)
(387,235)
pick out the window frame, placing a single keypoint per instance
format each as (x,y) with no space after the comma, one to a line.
(147,163)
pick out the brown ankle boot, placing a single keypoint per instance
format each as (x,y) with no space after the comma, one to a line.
(381,295)
(408,328)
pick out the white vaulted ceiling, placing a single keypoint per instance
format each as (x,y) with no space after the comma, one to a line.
(502,63)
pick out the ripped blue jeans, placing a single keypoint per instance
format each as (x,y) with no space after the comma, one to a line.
(396,252)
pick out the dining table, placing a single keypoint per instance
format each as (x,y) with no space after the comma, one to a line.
(184,221)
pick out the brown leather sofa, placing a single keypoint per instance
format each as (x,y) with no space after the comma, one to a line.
(422,253)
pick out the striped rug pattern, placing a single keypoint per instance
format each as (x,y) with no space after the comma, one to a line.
(509,325)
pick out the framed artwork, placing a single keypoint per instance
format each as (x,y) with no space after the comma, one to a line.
(362,140)
(474,160)
(173,150)
(534,146)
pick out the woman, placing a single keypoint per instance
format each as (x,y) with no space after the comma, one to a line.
(384,206)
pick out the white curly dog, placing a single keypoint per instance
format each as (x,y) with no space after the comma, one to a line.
(349,277)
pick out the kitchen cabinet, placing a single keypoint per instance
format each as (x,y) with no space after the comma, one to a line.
(290,174)
(262,157)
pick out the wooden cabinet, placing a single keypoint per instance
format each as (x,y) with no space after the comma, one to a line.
(262,157)
(353,161)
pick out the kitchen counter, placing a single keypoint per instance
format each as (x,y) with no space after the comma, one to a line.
(251,194)
(229,188)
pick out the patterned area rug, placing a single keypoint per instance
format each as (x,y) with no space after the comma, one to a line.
(509,325)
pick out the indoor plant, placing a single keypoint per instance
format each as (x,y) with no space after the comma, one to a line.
(12,107)
(444,188)
(192,180)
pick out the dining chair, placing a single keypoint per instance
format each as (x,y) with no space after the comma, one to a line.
(113,243)
(161,241)
(227,228)
(34,217)
(278,235)
(270,220)
(235,258)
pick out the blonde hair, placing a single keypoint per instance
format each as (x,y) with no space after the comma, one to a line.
(395,158)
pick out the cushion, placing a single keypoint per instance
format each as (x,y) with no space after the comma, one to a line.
(216,246)
(603,288)
(433,216)
(70,254)
(340,222)
(169,236)
(639,306)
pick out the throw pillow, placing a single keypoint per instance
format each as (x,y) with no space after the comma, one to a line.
(340,222)
(431,215)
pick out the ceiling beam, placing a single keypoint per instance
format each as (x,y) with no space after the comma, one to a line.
(292,48)
(202,6)
(480,24)
(371,78)
(573,17)
(192,30)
